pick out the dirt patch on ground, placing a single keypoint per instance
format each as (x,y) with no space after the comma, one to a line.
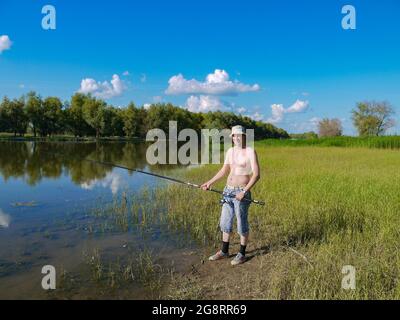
(255,279)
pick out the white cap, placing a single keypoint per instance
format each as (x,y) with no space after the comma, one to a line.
(238,130)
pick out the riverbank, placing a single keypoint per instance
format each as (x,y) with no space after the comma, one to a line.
(61,138)
(327,208)
(383,142)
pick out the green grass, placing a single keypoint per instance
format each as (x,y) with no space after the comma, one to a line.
(326,208)
(119,273)
(386,142)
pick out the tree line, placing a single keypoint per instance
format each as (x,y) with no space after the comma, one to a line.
(87,116)
(370,118)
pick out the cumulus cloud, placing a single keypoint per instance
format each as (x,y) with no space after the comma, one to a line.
(278,110)
(203,104)
(5,43)
(217,83)
(241,110)
(5,219)
(103,90)
(112,180)
(298,106)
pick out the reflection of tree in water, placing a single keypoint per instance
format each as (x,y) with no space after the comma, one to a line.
(13,157)
(42,163)
(34,161)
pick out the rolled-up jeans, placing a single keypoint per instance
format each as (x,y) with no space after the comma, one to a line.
(233,207)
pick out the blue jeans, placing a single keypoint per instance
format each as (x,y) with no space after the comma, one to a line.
(232,208)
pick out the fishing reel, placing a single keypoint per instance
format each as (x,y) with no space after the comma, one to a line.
(231,195)
(224,195)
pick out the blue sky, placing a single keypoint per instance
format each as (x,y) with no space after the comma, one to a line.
(286,61)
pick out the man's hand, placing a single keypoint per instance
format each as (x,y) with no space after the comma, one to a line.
(240,196)
(206,186)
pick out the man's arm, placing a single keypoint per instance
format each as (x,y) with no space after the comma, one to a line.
(221,173)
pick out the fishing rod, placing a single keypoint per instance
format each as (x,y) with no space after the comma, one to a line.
(192,185)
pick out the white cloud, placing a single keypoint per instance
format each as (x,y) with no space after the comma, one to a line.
(147,106)
(126,73)
(298,106)
(203,104)
(112,180)
(5,43)
(217,83)
(241,110)
(5,219)
(104,90)
(278,110)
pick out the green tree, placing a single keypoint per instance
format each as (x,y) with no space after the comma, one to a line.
(94,114)
(373,118)
(52,121)
(14,116)
(34,111)
(75,119)
(131,121)
(3,120)
(143,125)
(113,122)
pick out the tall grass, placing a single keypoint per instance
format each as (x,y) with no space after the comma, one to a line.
(135,268)
(333,206)
(386,142)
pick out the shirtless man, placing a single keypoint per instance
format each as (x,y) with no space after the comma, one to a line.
(242,165)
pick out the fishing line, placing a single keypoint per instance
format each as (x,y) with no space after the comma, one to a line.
(192,185)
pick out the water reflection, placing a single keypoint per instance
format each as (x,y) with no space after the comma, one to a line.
(4,219)
(35,161)
(113,180)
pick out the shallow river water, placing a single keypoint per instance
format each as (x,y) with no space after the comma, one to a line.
(47,193)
